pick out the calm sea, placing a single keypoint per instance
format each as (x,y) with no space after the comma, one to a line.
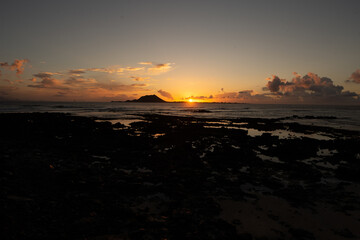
(346,117)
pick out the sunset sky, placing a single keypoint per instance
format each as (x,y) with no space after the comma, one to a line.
(254,51)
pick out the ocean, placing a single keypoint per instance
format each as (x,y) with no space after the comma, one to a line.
(341,117)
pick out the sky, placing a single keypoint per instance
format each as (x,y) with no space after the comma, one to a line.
(253,51)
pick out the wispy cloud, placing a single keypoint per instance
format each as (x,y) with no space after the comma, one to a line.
(145,63)
(107,70)
(82,83)
(160,68)
(133,69)
(139,79)
(114,69)
(165,94)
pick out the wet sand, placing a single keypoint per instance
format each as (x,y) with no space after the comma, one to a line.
(166,177)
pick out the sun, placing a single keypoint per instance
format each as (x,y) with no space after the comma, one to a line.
(190,100)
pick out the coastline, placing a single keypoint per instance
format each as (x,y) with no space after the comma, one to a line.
(173,177)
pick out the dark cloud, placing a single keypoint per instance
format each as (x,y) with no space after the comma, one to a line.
(44,75)
(227,95)
(47,81)
(138,79)
(77,72)
(310,84)
(17,65)
(79,81)
(274,84)
(244,96)
(165,94)
(139,85)
(201,97)
(355,77)
(310,88)
(160,68)
(246,92)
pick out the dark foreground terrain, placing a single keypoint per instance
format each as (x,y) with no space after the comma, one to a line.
(66,177)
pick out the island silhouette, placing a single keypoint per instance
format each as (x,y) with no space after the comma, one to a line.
(148,98)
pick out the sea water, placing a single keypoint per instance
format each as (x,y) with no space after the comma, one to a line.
(343,117)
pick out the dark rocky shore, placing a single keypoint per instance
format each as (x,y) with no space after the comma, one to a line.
(68,177)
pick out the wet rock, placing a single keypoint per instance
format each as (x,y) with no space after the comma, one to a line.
(71,177)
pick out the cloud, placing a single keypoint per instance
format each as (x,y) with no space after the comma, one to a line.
(248,96)
(132,69)
(145,63)
(165,94)
(200,97)
(77,72)
(355,77)
(274,84)
(245,94)
(17,65)
(79,81)
(139,85)
(310,84)
(227,95)
(160,68)
(107,70)
(310,88)
(47,81)
(44,74)
(120,87)
(84,83)
(73,82)
(114,69)
(139,79)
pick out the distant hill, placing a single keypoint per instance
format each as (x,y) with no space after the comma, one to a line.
(148,98)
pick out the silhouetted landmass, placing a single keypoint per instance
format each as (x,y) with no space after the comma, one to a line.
(149,99)
(169,177)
